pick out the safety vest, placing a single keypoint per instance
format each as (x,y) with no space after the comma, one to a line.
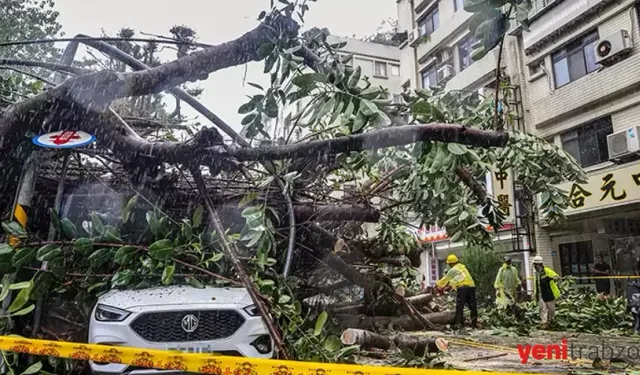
(507,279)
(456,277)
(554,286)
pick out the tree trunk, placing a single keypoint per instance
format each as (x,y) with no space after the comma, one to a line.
(365,339)
(420,345)
(420,299)
(403,322)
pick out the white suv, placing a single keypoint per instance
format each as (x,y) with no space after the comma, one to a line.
(209,320)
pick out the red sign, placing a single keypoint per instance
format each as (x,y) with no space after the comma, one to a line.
(64,137)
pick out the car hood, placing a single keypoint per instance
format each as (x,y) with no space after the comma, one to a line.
(174,295)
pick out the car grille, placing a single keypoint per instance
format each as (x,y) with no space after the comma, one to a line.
(167,326)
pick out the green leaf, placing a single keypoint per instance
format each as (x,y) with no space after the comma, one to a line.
(248,198)
(23,256)
(42,285)
(368,108)
(463,216)
(95,286)
(161,250)
(154,224)
(359,122)
(99,257)
(83,245)
(21,285)
(56,266)
(5,249)
(21,299)
(33,369)
(456,149)
(332,343)
(69,228)
(126,213)
(265,50)
(248,119)
(167,274)
(48,252)
(122,278)
(111,234)
(308,79)
(6,287)
(24,311)
(96,224)
(247,108)
(216,257)
(355,77)
(197,216)
(125,255)
(14,228)
(320,322)
(195,282)
(284,299)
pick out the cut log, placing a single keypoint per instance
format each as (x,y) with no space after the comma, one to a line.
(421,345)
(352,309)
(420,299)
(365,339)
(374,323)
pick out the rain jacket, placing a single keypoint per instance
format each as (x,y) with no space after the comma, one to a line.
(507,280)
(548,272)
(456,277)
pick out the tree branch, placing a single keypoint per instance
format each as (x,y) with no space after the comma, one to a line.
(383,138)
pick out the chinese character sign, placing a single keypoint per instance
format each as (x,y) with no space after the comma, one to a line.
(619,186)
(502,182)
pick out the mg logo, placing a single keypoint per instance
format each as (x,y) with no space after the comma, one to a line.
(189,323)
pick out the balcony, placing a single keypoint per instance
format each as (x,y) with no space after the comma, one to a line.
(447,27)
(475,72)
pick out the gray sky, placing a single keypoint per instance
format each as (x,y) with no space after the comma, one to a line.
(224,91)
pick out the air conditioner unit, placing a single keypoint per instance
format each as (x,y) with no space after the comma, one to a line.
(445,72)
(624,143)
(614,47)
(414,35)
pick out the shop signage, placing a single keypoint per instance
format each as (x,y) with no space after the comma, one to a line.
(502,182)
(64,139)
(434,266)
(606,189)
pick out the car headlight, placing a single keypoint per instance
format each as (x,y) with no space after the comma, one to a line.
(252,310)
(106,313)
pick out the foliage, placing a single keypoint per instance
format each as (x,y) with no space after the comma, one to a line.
(578,309)
(386,33)
(26,20)
(483,264)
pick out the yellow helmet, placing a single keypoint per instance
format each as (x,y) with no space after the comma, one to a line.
(452,259)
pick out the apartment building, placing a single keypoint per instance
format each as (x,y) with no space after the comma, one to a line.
(437,51)
(580,69)
(379,62)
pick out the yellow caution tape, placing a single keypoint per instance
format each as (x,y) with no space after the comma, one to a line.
(201,363)
(596,277)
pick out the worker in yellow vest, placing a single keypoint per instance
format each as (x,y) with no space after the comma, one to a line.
(459,279)
(545,290)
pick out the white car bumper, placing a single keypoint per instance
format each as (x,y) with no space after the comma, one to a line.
(123,334)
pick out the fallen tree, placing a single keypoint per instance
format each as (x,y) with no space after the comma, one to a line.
(404,322)
(420,346)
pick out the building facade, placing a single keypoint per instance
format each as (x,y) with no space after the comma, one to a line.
(575,77)
(580,70)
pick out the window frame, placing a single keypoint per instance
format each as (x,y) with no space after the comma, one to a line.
(429,18)
(599,128)
(469,40)
(433,68)
(456,6)
(384,73)
(577,46)
(579,248)
(392,66)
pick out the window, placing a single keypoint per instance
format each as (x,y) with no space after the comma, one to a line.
(430,77)
(458,4)
(395,70)
(429,23)
(575,60)
(380,69)
(576,260)
(397,99)
(588,143)
(464,51)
